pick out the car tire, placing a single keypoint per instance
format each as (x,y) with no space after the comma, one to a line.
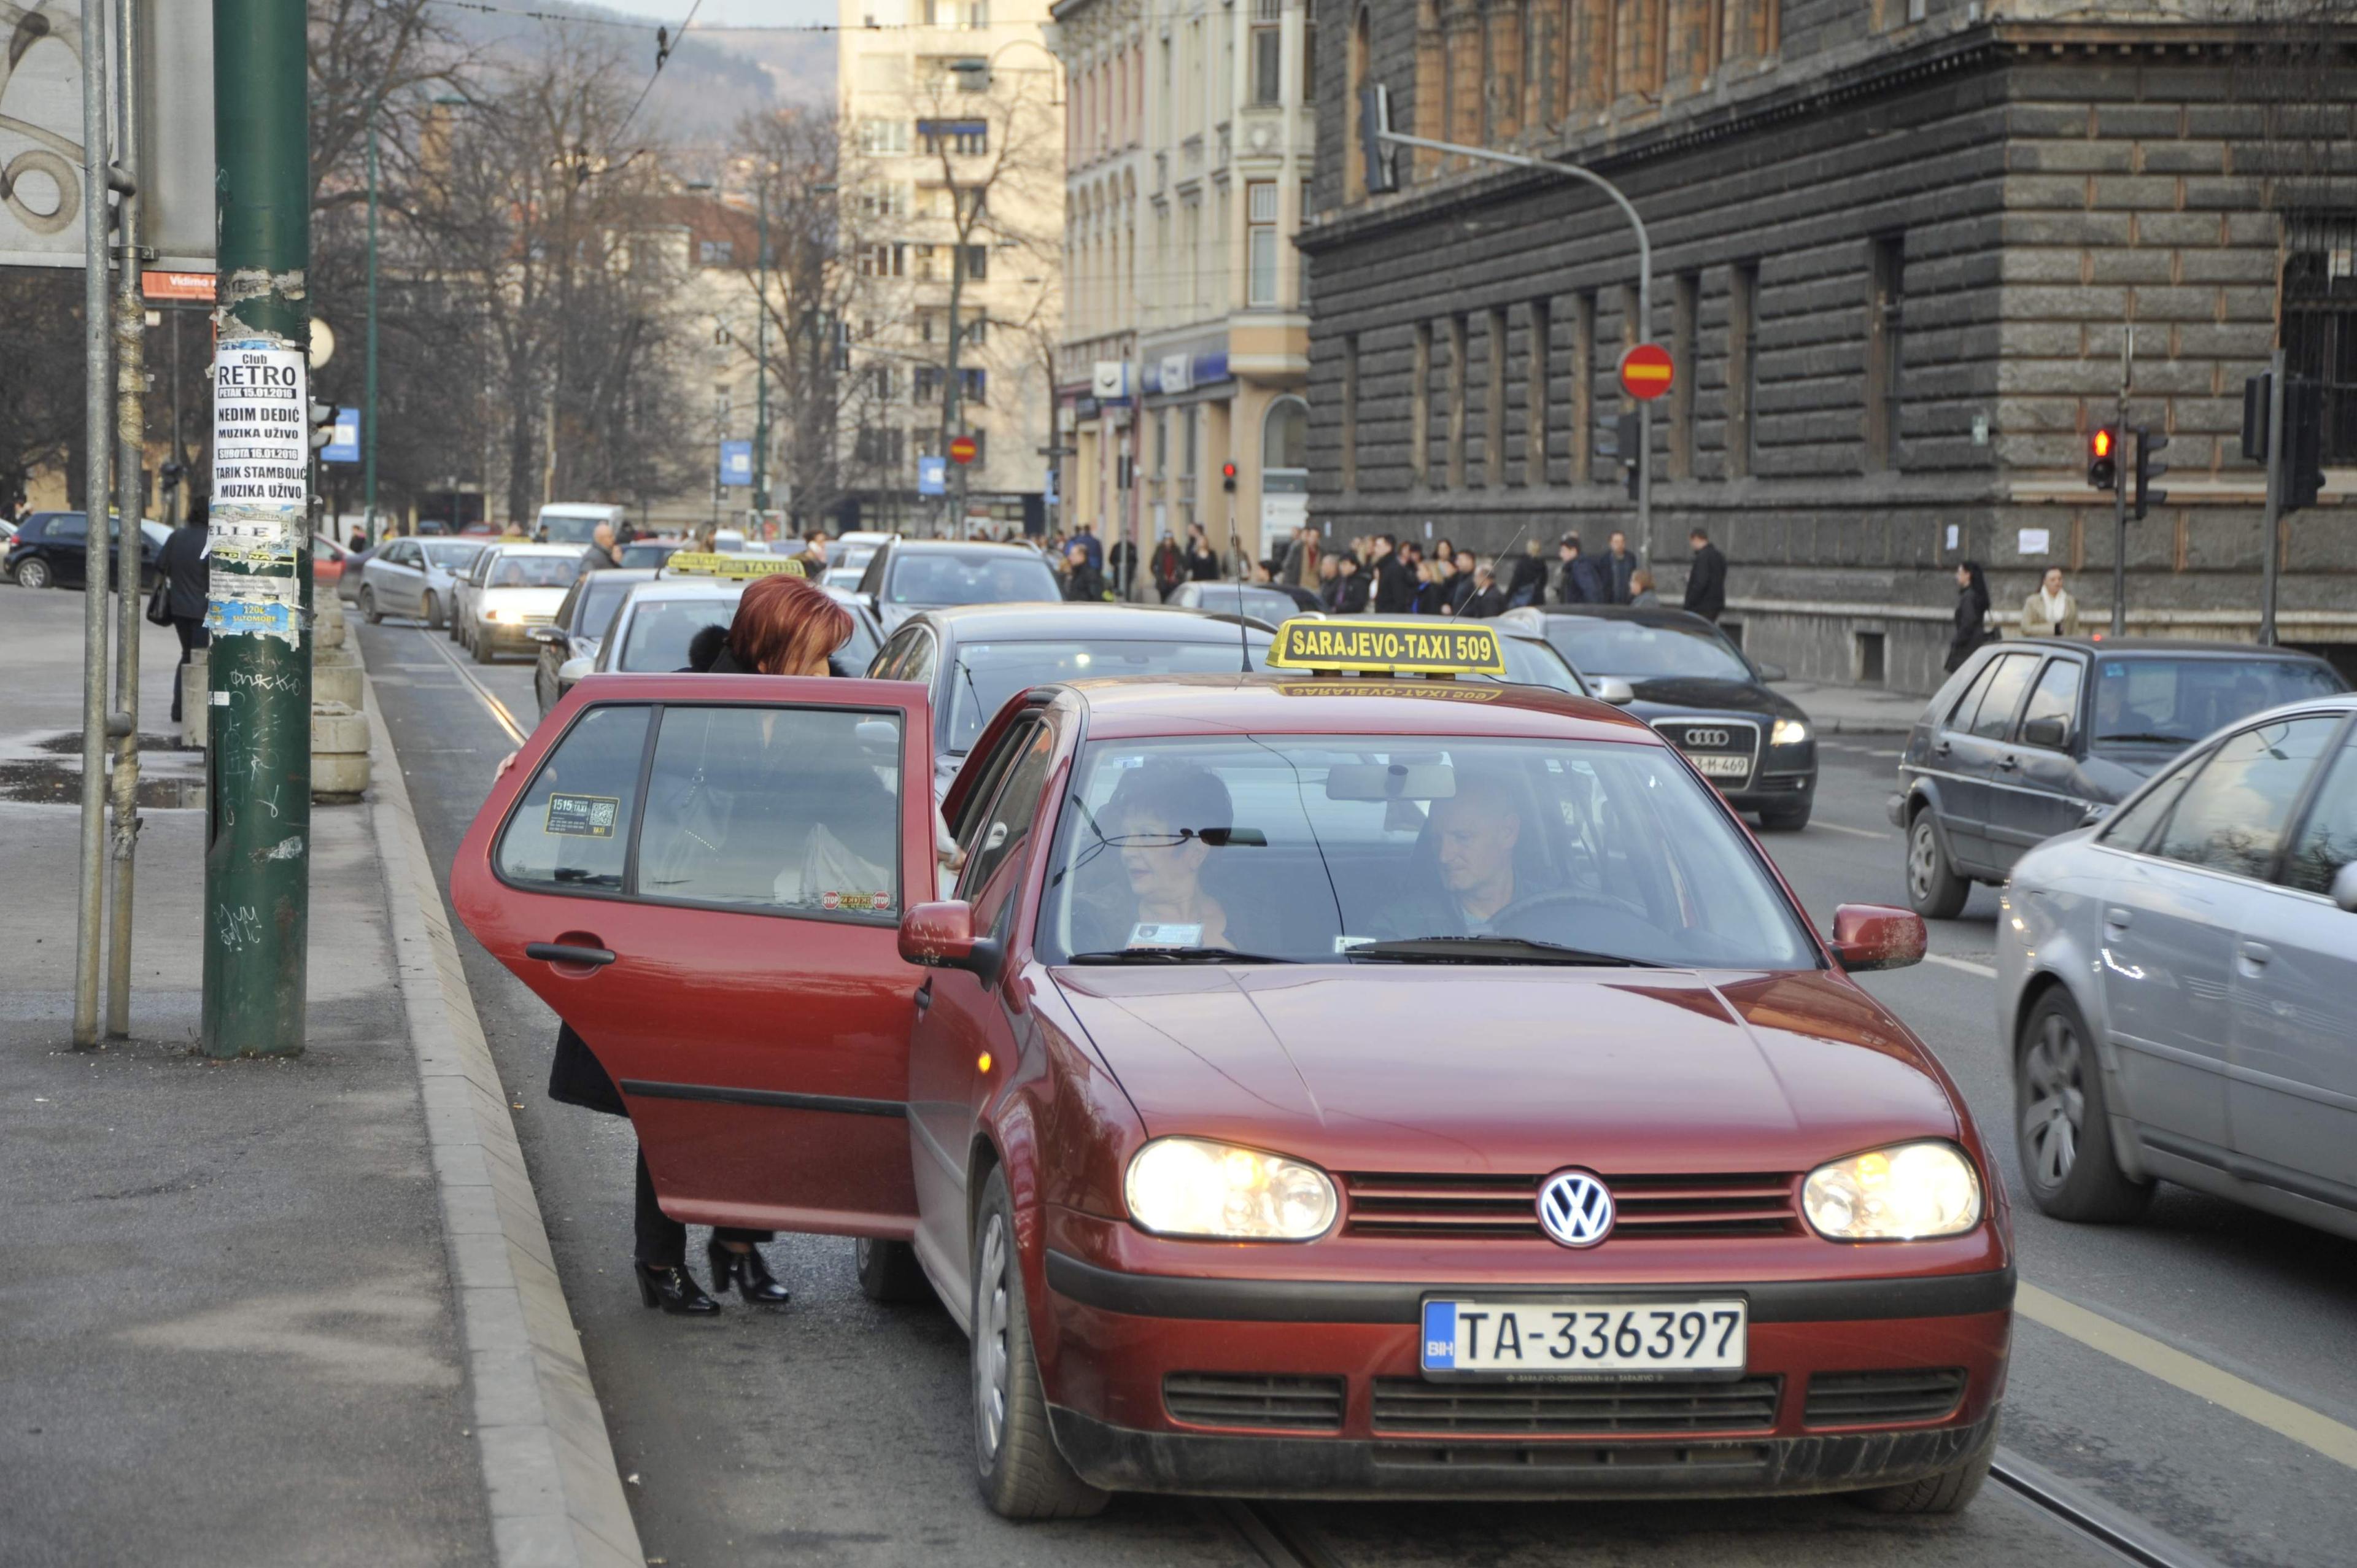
(369,612)
(1933,889)
(889,1273)
(1946,1492)
(34,572)
(1786,822)
(457,626)
(2061,1118)
(480,647)
(1022,1472)
(432,610)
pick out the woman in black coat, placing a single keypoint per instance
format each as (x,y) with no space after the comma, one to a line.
(182,561)
(783,626)
(1972,615)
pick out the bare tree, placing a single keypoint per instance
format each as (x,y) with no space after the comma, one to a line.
(41,395)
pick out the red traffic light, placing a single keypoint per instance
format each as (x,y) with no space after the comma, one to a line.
(1227,470)
(2102,443)
(2102,468)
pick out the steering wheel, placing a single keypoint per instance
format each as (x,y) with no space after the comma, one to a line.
(1575,920)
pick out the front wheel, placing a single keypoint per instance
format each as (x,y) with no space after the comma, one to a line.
(482,646)
(433,609)
(1023,1474)
(1933,889)
(34,572)
(2063,1122)
(1946,1492)
(889,1273)
(369,611)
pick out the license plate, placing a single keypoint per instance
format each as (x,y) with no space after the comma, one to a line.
(1717,764)
(1560,1339)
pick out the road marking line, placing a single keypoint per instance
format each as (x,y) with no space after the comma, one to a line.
(1967,965)
(2285,1418)
(507,720)
(1854,832)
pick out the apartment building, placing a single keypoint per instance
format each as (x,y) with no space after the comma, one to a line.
(951,183)
(1189,154)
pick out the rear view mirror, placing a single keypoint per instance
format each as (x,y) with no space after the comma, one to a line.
(1390,781)
(940,936)
(1876,935)
(544,634)
(1237,838)
(2049,733)
(2344,888)
(574,670)
(1612,689)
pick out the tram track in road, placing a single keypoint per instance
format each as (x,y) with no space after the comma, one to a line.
(499,712)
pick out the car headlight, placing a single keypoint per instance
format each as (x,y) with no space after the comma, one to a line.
(1903,1193)
(1191,1187)
(1788,731)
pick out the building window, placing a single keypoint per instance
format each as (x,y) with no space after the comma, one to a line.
(715,252)
(1161,443)
(1537,350)
(1261,240)
(1742,375)
(883,135)
(964,139)
(1459,389)
(1685,308)
(1268,51)
(1583,389)
(881,382)
(1419,407)
(1188,420)
(977,261)
(926,384)
(2320,320)
(882,260)
(1494,426)
(1885,312)
(1350,411)
(974,386)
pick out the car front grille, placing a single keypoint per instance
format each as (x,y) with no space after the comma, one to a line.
(1505,1208)
(1234,1399)
(1617,1405)
(1880,1399)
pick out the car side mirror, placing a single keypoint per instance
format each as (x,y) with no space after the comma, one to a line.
(2049,733)
(2344,888)
(940,936)
(1876,935)
(1772,674)
(574,670)
(545,633)
(1611,689)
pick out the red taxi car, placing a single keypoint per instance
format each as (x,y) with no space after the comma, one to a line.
(1368,1087)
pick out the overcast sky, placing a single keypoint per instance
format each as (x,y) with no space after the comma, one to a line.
(744,13)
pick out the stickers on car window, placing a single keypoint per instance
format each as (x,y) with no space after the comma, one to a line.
(583,816)
(834,898)
(1166,934)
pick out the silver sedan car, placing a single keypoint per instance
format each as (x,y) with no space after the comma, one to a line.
(2177,983)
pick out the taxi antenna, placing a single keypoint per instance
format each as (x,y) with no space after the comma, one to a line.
(1243,633)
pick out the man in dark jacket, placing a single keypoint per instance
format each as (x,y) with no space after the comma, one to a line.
(182,561)
(1395,583)
(1620,565)
(1084,583)
(1528,585)
(1706,578)
(601,555)
(1487,598)
(1350,588)
(1462,585)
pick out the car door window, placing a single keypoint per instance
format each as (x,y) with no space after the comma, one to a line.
(2133,828)
(2008,679)
(1960,717)
(924,653)
(74,530)
(2232,817)
(2328,840)
(894,658)
(1007,829)
(794,811)
(571,831)
(2056,696)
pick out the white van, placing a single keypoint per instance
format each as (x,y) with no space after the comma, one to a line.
(575,523)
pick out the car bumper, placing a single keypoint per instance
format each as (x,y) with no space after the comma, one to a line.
(1115,1338)
(1774,791)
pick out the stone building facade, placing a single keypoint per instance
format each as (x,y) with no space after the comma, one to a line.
(1897,247)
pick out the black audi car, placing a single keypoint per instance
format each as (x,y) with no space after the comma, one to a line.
(1687,681)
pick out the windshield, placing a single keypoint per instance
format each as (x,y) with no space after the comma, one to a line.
(648,554)
(2177,700)
(661,630)
(1237,599)
(1330,849)
(1635,651)
(533,572)
(971,577)
(449,554)
(562,529)
(988,674)
(601,596)
(1532,663)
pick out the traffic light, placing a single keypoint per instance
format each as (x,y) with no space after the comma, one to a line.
(2148,471)
(1374,124)
(323,425)
(1228,476)
(2303,443)
(2102,464)
(1630,438)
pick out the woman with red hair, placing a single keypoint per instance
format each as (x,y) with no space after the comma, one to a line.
(784,626)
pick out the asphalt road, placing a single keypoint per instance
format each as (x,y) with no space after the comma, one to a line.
(834,1431)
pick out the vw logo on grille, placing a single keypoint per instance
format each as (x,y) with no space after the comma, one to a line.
(1718,739)
(1575,1208)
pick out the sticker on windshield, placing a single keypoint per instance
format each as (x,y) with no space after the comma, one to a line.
(1344,944)
(583,816)
(1165,934)
(834,899)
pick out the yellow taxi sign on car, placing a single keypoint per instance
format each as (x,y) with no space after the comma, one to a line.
(687,564)
(1417,647)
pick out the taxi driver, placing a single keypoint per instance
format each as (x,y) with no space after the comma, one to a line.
(1474,833)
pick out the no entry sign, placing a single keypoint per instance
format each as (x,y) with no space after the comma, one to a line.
(1645,372)
(962,449)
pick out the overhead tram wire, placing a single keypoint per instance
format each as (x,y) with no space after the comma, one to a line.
(664,43)
(565,18)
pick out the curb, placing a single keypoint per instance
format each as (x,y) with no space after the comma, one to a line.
(556,1497)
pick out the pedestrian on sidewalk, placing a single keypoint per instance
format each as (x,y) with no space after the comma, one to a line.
(1640,591)
(1487,598)
(601,555)
(2049,611)
(1301,557)
(1084,584)
(1972,615)
(189,590)
(1394,588)
(1528,585)
(1706,578)
(1617,565)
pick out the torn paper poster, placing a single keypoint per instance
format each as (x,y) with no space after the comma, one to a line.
(246,604)
(248,538)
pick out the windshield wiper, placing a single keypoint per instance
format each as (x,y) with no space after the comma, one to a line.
(1492,949)
(2146,735)
(1175,955)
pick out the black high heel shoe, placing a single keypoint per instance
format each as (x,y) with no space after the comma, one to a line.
(674,1290)
(747,1273)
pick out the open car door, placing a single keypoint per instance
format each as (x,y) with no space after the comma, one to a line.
(703,875)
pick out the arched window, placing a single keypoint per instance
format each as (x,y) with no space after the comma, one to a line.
(1284,436)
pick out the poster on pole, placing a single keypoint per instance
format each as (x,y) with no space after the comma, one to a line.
(735,462)
(262,443)
(40,133)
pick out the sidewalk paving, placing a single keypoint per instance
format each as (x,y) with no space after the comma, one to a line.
(1854,710)
(260,1311)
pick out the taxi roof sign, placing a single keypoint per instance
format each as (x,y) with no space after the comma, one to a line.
(697,564)
(1417,647)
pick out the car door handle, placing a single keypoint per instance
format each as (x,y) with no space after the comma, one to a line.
(1942,749)
(2008,763)
(2117,920)
(2255,956)
(925,994)
(567,952)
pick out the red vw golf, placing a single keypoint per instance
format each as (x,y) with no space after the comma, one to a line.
(1345,1088)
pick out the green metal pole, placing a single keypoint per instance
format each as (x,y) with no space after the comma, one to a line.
(368,396)
(761,366)
(257,851)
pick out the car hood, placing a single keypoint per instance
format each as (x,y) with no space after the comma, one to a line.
(1520,1070)
(1696,693)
